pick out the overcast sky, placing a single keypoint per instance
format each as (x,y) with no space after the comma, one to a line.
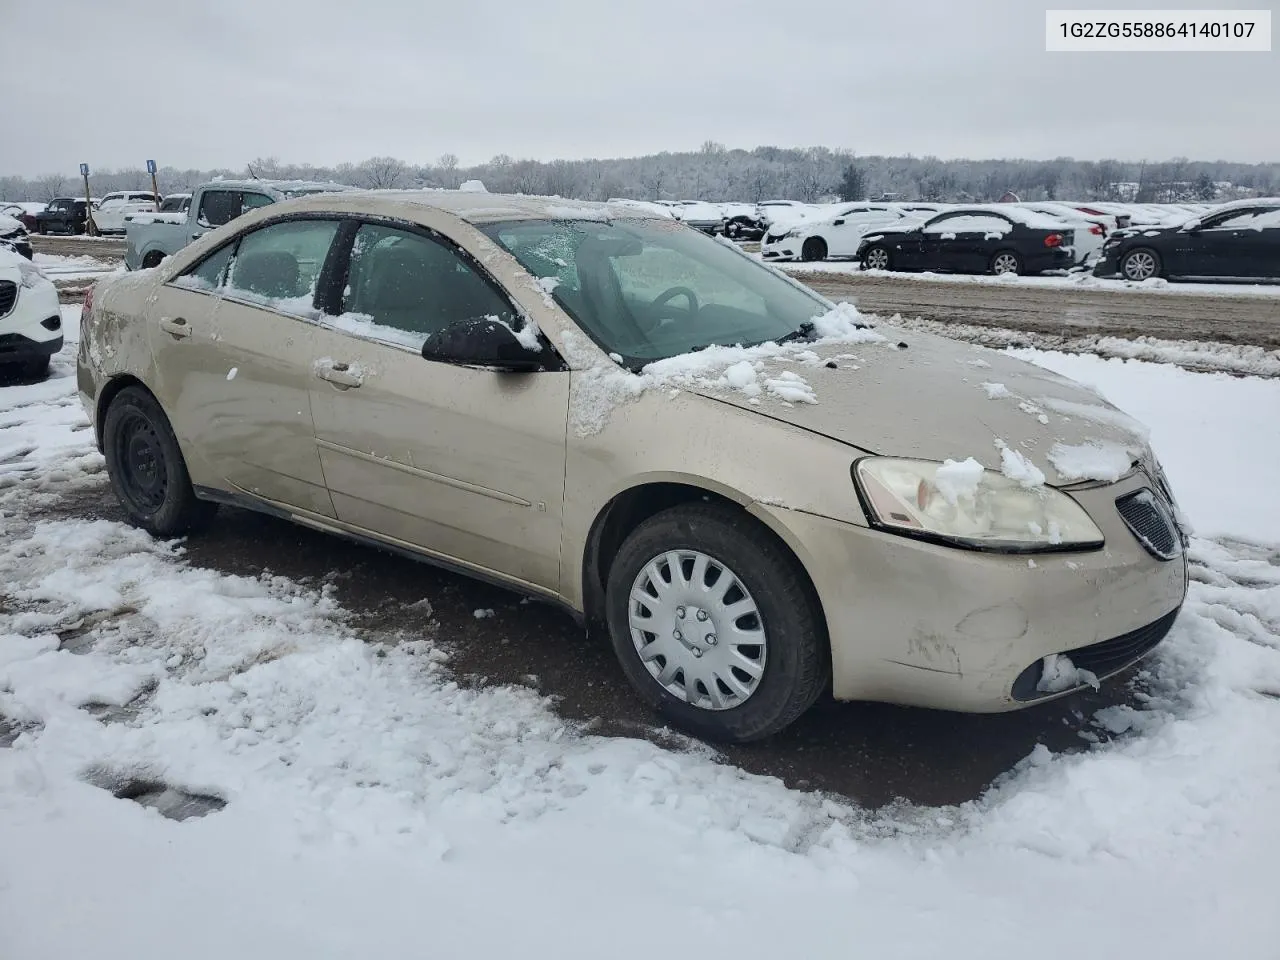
(204,84)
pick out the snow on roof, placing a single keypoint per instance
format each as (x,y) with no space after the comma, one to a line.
(280,186)
(495,207)
(1016,213)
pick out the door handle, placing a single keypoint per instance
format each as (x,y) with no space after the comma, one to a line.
(175,326)
(196,236)
(339,374)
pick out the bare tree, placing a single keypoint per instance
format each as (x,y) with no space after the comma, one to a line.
(53,185)
(654,181)
(383,173)
(448,164)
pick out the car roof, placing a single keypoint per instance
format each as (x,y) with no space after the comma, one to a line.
(479,208)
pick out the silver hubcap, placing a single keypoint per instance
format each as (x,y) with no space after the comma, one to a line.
(697,630)
(877,259)
(1139,266)
(1006,263)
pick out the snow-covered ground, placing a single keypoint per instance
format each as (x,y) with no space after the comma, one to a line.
(1072,281)
(374,807)
(58,267)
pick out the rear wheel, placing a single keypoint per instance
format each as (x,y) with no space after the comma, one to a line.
(876,258)
(815,248)
(152,259)
(1140,264)
(715,624)
(146,467)
(42,228)
(1006,261)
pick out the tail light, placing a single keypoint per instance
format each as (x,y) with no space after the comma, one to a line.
(1053,240)
(88,301)
(1097,230)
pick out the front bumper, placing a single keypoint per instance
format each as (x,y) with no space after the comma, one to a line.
(1108,264)
(917,623)
(32,326)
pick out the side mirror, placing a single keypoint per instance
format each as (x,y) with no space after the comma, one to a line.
(839,223)
(1191,226)
(482,342)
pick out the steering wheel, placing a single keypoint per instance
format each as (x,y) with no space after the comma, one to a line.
(674,292)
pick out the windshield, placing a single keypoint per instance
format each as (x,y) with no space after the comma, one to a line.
(651,289)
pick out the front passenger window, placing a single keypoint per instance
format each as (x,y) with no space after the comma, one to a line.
(403,287)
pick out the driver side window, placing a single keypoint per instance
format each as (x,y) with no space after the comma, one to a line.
(402,287)
(1233,221)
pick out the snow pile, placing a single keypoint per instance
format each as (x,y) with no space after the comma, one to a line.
(958,480)
(995,391)
(751,371)
(1060,674)
(1015,465)
(1092,460)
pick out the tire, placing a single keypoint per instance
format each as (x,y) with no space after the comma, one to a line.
(793,662)
(146,468)
(1141,263)
(877,255)
(815,248)
(152,259)
(1005,261)
(42,228)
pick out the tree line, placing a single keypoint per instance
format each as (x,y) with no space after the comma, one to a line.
(717,173)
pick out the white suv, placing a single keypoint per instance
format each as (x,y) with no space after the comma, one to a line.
(30,319)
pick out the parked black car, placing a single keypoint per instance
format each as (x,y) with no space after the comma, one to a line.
(13,236)
(973,240)
(1238,241)
(62,215)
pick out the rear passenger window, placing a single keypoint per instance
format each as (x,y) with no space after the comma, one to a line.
(402,287)
(280,264)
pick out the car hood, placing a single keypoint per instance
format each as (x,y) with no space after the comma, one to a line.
(938,399)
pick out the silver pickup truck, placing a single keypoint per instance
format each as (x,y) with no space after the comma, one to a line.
(152,237)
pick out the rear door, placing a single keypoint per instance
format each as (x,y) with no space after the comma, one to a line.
(233,339)
(464,463)
(848,230)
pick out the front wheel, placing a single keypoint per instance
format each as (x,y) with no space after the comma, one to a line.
(1141,264)
(715,624)
(147,469)
(815,248)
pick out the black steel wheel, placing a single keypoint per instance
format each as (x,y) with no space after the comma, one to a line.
(147,469)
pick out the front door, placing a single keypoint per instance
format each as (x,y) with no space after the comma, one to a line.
(233,345)
(464,463)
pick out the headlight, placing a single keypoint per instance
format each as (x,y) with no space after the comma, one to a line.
(31,275)
(968,506)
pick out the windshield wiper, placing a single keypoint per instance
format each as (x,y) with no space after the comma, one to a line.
(805,331)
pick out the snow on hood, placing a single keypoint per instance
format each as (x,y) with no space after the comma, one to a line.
(8,224)
(918,395)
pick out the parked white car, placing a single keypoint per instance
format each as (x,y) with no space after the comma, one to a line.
(30,319)
(114,206)
(839,233)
